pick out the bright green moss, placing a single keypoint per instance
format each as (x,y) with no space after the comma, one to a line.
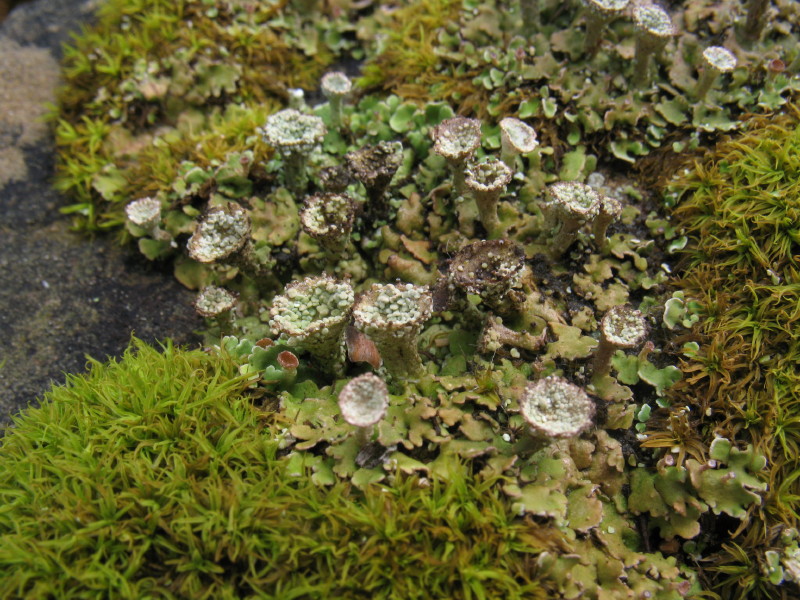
(158,476)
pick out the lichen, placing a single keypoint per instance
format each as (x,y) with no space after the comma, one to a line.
(582,240)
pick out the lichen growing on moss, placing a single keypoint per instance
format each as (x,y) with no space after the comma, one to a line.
(647,471)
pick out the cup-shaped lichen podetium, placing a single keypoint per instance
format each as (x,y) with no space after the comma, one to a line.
(716,61)
(755,21)
(294,135)
(654,29)
(487,181)
(572,205)
(328,218)
(493,270)
(335,86)
(223,236)
(363,402)
(392,315)
(608,210)
(216,303)
(599,13)
(554,408)
(456,139)
(621,327)
(374,166)
(530,12)
(313,314)
(516,137)
(145,213)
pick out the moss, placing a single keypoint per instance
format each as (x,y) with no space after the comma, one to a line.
(157,475)
(739,209)
(409,65)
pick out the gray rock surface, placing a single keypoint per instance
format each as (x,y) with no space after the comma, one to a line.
(63,297)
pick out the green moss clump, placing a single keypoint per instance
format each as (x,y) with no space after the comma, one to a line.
(408,64)
(739,208)
(157,476)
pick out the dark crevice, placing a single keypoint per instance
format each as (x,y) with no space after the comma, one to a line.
(6,6)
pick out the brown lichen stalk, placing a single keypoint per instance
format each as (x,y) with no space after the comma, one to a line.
(363,402)
(456,140)
(223,237)
(609,209)
(716,60)
(756,19)
(335,86)
(516,137)
(554,409)
(294,135)
(621,327)
(313,314)
(374,166)
(530,11)
(599,13)
(495,336)
(653,30)
(571,205)
(328,218)
(216,303)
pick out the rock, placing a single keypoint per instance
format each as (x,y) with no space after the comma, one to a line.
(63,297)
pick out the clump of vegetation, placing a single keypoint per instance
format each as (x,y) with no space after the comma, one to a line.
(317,208)
(146,85)
(576,78)
(160,475)
(738,209)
